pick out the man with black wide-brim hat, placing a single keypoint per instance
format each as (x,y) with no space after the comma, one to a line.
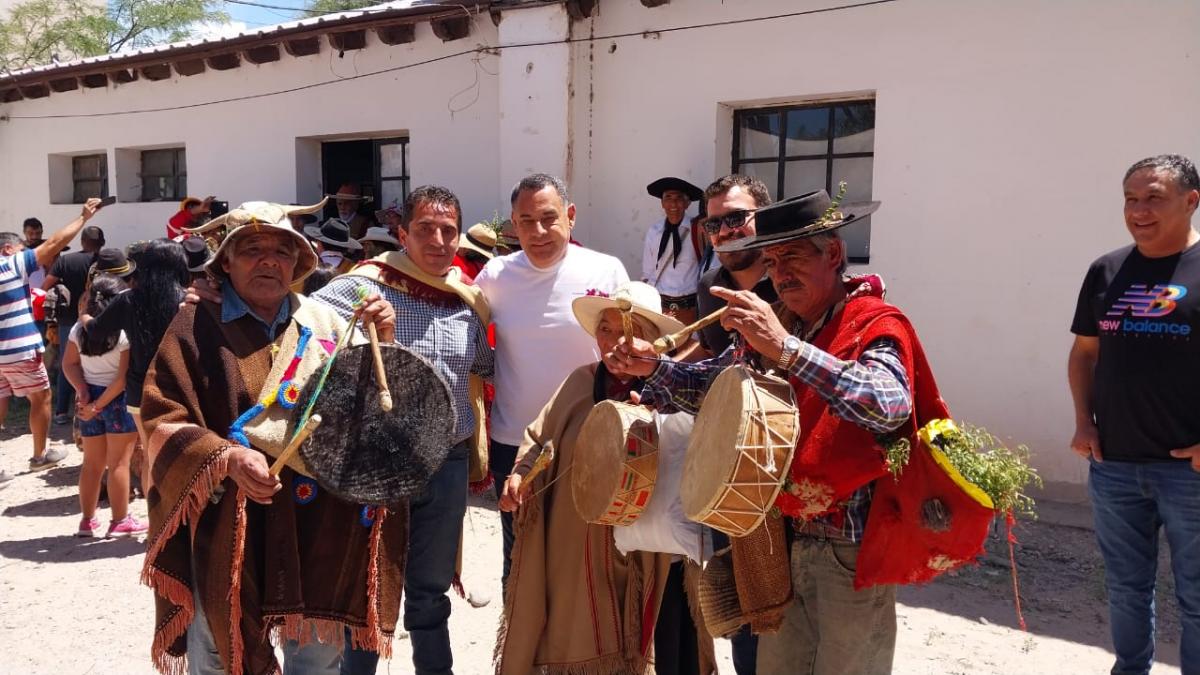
(859,375)
(671,255)
(333,242)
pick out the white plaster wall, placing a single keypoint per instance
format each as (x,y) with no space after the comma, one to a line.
(1003,130)
(249,149)
(534,124)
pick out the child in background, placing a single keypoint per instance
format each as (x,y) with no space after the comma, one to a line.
(98,376)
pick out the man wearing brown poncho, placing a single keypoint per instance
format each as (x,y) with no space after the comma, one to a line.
(231,557)
(574,604)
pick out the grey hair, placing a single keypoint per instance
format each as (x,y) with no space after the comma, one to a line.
(11,239)
(824,241)
(540,181)
(1180,167)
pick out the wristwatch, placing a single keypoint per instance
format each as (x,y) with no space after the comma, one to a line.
(791,348)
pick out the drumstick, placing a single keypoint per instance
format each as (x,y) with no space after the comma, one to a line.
(668,342)
(626,308)
(385,396)
(294,446)
(540,464)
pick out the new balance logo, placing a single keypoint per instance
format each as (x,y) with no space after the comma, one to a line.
(1143,302)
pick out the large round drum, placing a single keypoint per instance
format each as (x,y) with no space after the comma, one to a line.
(740,452)
(367,455)
(616,463)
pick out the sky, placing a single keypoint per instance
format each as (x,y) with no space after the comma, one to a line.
(257,17)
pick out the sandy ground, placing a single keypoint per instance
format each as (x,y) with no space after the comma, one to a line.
(70,605)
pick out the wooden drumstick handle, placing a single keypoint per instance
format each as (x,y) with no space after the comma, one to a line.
(626,308)
(294,446)
(668,342)
(385,396)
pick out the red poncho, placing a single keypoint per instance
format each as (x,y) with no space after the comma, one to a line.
(835,457)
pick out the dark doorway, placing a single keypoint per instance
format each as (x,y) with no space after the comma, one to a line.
(378,165)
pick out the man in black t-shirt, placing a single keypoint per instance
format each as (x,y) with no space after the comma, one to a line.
(1134,372)
(71,270)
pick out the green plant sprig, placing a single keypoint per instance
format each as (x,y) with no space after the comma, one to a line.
(1001,472)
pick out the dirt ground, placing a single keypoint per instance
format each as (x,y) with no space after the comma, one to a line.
(74,606)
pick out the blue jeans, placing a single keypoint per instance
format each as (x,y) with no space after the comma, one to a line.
(501,458)
(435,526)
(1130,502)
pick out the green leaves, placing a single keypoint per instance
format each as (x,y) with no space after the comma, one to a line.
(37,31)
(1001,472)
(331,6)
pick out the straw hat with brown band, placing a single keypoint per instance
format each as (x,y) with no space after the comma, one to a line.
(480,238)
(252,217)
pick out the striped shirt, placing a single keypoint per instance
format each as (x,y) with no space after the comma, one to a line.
(19,336)
(871,392)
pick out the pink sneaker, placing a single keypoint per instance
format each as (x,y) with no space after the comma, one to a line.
(88,527)
(127,527)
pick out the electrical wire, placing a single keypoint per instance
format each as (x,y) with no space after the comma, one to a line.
(445,57)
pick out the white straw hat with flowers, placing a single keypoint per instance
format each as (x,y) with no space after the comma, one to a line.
(646,302)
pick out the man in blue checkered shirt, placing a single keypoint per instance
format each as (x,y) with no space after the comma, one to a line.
(442,319)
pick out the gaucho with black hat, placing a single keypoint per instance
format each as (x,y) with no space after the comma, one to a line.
(859,375)
(332,241)
(671,255)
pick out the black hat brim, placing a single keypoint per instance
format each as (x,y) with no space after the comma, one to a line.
(314,232)
(659,187)
(130,267)
(851,213)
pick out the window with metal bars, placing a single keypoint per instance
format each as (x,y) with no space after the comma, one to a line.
(89,176)
(164,174)
(801,148)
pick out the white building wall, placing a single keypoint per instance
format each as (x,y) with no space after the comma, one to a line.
(1003,129)
(267,147)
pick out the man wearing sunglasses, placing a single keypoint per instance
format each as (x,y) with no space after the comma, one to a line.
(731,202)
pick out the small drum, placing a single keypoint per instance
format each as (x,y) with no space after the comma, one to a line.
(616,463)
(740,452)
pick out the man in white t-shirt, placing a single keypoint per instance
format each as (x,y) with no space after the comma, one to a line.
(538,341)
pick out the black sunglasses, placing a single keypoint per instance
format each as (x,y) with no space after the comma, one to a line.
(733,220)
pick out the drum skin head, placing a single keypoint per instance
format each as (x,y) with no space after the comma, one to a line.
(618,441)
(740,451)
(713,450)
(363,454)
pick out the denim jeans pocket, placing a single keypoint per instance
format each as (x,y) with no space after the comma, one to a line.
(844,557)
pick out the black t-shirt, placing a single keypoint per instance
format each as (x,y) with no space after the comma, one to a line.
(72,270)
(1146,312)
(715,338)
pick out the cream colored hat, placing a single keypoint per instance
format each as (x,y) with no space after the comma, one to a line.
(645,300)
(379,234)
(252,217)
(479,238)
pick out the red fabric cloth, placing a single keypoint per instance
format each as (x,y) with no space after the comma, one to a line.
(177,222)
(898,548)
(37,301)
(470,268)
(835,457)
